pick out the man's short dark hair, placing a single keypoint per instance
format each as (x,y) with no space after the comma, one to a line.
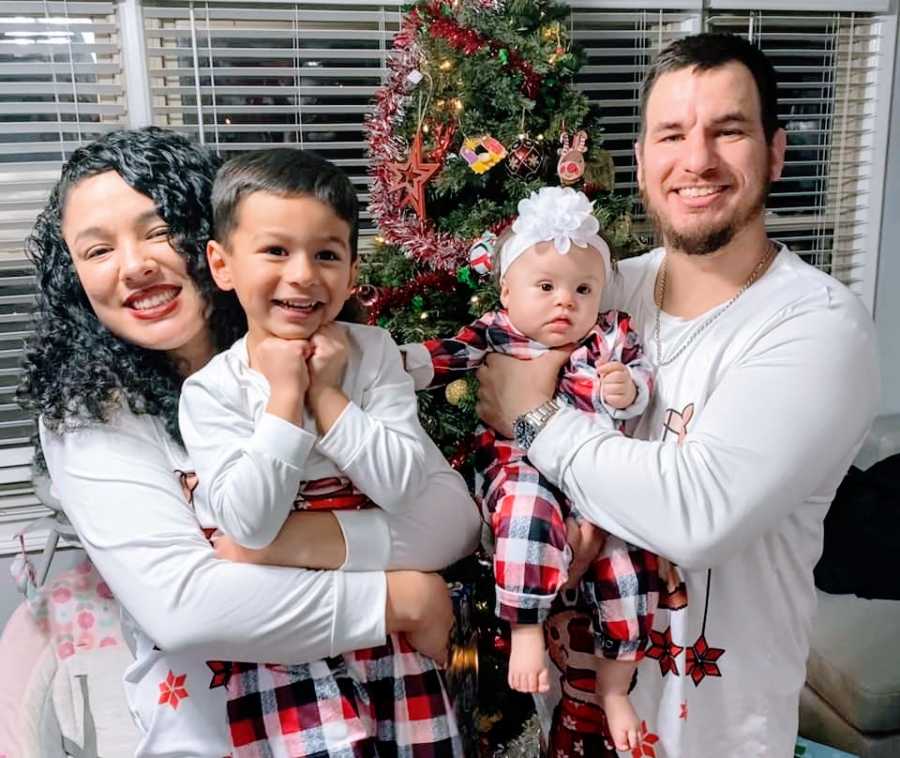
(704,52)
(286,172)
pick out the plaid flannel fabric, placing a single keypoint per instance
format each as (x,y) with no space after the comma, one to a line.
(389,701)
(612,339)
(527,513)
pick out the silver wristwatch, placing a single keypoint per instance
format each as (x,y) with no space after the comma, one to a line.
(527,426)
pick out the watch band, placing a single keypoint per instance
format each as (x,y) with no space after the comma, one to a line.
(527,426)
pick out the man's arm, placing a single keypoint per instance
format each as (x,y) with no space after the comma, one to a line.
(781,426)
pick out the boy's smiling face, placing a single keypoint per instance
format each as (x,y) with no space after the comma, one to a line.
(288,260)
(552,298)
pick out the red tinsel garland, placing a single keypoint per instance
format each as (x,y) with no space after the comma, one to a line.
(401,296)
(418,237)
(469,41)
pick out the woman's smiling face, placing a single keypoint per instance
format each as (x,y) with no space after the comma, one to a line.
(136,283)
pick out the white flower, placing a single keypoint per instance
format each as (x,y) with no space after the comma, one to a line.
(559,214)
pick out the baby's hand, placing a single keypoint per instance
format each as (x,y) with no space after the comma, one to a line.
(329,348)
(618,388)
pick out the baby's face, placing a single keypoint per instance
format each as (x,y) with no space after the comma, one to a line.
(552,298)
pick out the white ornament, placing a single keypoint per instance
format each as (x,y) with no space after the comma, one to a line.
(481,253)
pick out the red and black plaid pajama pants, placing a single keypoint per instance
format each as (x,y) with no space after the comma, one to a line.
(383,702)
(531,559)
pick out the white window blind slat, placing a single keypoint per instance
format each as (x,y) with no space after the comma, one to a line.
(61,86)
(830,71)
(245,75)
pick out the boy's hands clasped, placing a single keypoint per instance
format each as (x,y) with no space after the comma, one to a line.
(305,372)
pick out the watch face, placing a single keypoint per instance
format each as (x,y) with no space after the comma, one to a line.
(523,432)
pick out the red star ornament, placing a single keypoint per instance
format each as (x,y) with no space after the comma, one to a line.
(701,660)
(664,650)
(411,176)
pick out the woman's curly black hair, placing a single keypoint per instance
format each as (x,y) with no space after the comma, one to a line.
(75,370)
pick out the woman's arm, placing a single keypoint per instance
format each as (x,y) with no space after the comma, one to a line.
(441,528)
(117,487)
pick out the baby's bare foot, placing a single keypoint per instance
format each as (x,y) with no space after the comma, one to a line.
(624,724)
(527,661)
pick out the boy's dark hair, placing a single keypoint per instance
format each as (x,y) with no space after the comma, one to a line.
(704,52)
(75,370)
(287,172)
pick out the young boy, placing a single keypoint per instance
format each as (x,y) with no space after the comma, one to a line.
(552,270)
(305,412)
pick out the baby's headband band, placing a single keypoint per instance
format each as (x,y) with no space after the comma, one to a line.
(559,215)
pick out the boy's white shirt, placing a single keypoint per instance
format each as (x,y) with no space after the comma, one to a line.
(182,606)
(250,463)
(777,396)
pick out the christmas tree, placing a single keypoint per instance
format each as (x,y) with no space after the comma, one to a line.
(479,110)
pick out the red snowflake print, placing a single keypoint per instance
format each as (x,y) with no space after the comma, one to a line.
(172,690)
(648,740)
(701,660)
(683,714)
(664,650)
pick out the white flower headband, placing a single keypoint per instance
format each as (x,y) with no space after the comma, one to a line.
(557,214)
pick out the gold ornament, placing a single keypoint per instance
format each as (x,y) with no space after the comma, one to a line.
(456,391)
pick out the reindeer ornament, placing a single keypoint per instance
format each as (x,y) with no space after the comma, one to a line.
(571,162)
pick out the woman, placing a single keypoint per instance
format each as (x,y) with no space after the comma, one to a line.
(126,310)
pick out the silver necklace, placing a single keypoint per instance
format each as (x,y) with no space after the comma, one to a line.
(660,295)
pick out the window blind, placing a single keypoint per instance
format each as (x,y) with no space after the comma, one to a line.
(828,65)
(60,86)
(243,76)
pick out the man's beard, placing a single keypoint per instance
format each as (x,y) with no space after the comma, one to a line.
(709,239)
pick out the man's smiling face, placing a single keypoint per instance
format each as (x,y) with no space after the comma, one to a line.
(704,166)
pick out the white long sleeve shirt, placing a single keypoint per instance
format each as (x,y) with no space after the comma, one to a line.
(251,463)
(182,606)
(730,475)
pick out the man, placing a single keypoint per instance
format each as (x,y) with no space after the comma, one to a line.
(766,386)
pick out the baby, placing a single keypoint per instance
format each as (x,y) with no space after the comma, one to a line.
(552,270)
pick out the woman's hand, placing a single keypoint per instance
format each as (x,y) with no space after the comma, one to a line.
(418,605)
(510,387)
